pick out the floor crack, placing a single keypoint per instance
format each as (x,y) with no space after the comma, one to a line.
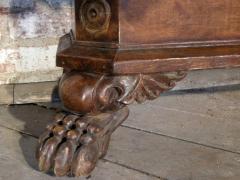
(180,139)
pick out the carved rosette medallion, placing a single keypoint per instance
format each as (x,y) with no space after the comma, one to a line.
(95,16)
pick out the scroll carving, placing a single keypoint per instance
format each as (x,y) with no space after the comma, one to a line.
(90,93)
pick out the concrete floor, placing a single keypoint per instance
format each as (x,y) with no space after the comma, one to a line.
(181,136)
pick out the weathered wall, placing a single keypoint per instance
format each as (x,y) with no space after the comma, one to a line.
(29,33)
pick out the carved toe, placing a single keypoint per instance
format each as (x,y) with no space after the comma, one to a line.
(86,159)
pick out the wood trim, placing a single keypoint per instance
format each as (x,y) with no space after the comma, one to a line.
(145,60)
(177,64)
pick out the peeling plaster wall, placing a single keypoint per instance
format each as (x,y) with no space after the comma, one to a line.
(29,33)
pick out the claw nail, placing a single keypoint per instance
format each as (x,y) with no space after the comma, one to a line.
(47,152)
(64,158)
(85,160)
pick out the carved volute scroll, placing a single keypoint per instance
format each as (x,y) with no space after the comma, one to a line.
(92,93)
(89,93)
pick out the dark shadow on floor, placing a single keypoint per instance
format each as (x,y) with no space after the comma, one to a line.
(35,118)
(204,90)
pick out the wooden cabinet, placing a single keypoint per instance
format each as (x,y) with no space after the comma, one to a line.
(121,51)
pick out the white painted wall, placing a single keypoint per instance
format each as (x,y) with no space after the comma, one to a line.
(29,33)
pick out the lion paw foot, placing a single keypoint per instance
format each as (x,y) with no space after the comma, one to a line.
(72,144)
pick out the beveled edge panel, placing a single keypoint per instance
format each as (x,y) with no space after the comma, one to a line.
(84,58)
(178,58)
(114,60)
(176,64)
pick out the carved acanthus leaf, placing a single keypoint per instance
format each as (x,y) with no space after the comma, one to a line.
(144,87)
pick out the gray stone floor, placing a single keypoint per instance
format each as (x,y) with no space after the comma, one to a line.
(181,136)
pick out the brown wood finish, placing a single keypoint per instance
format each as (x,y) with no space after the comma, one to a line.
(178,21)
(121,51)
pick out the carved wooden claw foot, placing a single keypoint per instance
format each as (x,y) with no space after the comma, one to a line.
(73,144)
